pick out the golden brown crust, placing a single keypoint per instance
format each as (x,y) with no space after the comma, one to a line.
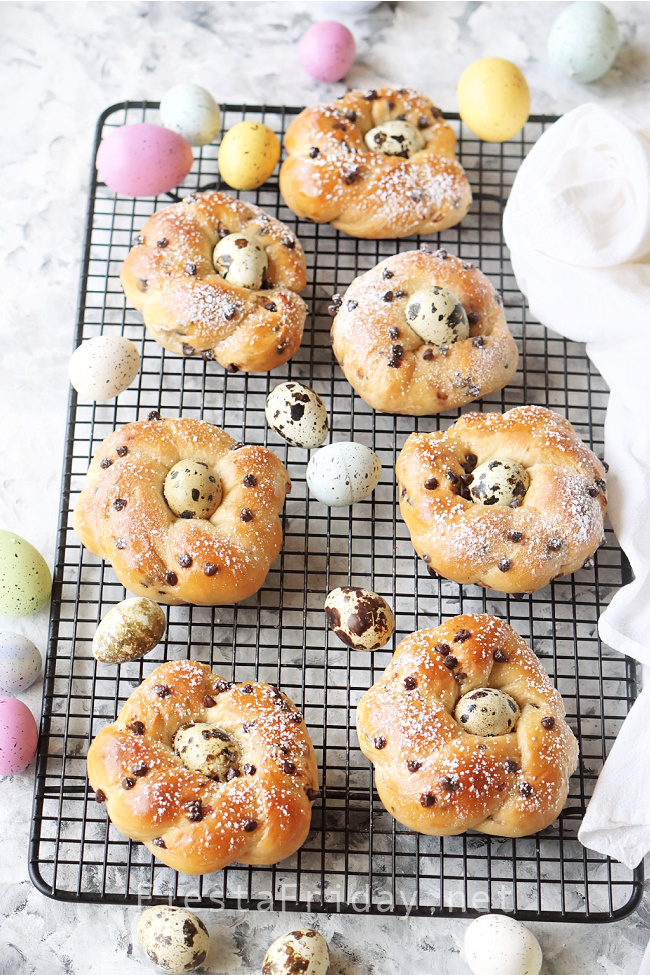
(369,194)
(432,775)
(200,825)
(391,367)
(143,539)
(169,276)
(558,525)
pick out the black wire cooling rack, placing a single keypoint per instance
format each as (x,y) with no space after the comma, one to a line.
(356,859)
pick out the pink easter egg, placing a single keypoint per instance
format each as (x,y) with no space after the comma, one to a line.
(143,159)
(18,736)
(327,51)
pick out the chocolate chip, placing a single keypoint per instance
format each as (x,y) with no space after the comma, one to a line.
(142,284)
(351,174)
(515,503)
(289,242)
(413,766)
(237,446)
(605,465)
(314,151)
(159,842)
(232,773)
(387,296)
(459,678)
(428,355)
(511,766)
(120,543)
(100,796)
(154,415)
(229,312)
(410,683)
(162,242)
(105,463)
(526,789)
(472,318)
(223,685)
(423,122)
(395,360)
(247,689)
(441,253)
(128,783)
(426,559)
(119,504)
(601,484)
(136,727)
(393,333)
(432,572)
(249,769)
(339,126)
(450,662)
(122,451)
(380,742)
(504,564)
(370,95)
(350,115)
(352,305)
(500,656)
(593,491)
(162,690)
(249,825)
(271,306)
(448,784)
(210,569)
(231,367)
(140,769)
(431,483)
(443,648)
(387,274)
(478,341)
(287,767)
(138,240)
(514,536)
(190,268)
(548,723)
(462,635)
(171,578)
(194,811)
(453,476)
(184,560)
(427,799)
(589,564)
(246,514)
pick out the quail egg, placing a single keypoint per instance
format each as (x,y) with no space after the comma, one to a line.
(437,316)
(343,473)
(298,414)
(129,631)
(499,945)
(503,482)
(487,711)
(241,261)
(360,618)
(394,138)
(303,951)
(25,580)
(174,939)
(192,489)
(203,748)
(20,663)
(103,367)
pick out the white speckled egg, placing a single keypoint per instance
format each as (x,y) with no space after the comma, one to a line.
(303,951)
(193,490)
(584,40)
(241,261)
(25,580)
(503,482)
(394,138)
(18,736)
(298,414)
(103,367)
(20,663)
(360,618)
(487,711)
(129,631)
(191,111)
(498,945)
(437,316)
(343,473)
(203,748)
(174,939)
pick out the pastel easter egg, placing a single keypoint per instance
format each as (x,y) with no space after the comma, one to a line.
(25,580)
(584,40)
(104,366)
(192,112)
(20,663)
(493,99)
(143,159)
(248,154)
(327,51)
(18,736)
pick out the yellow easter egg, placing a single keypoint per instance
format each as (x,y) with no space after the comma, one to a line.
(493,99)
(248,154)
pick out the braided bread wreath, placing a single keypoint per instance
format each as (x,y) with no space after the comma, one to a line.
(410,182)
(191,309)
(391,366)
(466,731)
(204,772)
(509,501)
(122,514)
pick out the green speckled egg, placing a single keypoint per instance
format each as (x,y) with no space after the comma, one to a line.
(25,580)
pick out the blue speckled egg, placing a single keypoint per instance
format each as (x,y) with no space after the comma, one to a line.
(20,663)
(192,112)
(584,40)
(25,580)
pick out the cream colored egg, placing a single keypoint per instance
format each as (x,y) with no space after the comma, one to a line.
(499,945)
(192,489)
(175,940)
(248,154)
(493,99)
(487,711)
(241,261)
(103,367)
(129,631)
(360,618)
(202,747)
(502,482)
(394,138)
(343,473)
(437,316)
(303,951)
(25,580)
(298,414)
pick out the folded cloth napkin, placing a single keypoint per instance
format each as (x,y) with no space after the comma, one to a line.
(578,228)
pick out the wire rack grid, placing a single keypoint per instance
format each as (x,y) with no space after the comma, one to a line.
(357,858)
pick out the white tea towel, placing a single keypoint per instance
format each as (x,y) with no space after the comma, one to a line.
(578,228)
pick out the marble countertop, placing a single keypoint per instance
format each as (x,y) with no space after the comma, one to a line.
(61,64)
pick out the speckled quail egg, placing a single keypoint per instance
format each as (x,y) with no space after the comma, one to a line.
(503,482)
(191,111)
(129,631)
(25,580)
(394,138)
(303,951)
(203,748)
(487,711)
(103,367)
(174,939)
(437,316)
(240,260)
(498,945)
(20,663)
(192,489)
(298,414)
(360,618)
(343,473)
